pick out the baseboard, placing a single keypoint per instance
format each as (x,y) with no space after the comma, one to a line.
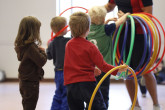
(52,80)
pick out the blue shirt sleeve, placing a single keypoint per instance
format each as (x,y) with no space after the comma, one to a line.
(49,51)
(110,29)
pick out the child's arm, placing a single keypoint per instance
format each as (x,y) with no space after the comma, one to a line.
(49,51)
(122,18)
(37,55)
(98,60)
(111,19)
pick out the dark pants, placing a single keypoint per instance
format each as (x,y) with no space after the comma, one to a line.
(143,89)
(104,88)
(60,97)
(160,77)
(78,93)
(29,92)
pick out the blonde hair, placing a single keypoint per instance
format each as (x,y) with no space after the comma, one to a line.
(97,14)
(28,32)
(79,23)
(57,23)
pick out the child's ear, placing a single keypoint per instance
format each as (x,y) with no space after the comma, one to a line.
(54,31)
(88,30)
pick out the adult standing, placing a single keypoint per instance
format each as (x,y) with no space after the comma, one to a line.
(134,6)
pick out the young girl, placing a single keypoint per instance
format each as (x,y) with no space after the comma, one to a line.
(32,58)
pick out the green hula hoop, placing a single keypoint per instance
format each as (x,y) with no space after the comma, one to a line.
(132,40)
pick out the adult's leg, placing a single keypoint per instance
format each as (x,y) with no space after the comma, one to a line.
(151,87)
(130,84)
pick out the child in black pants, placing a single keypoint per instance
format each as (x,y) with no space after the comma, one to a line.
(81,57)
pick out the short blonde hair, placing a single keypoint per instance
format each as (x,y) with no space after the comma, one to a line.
(28,32)
(79,23)
(97,14)
(57,23)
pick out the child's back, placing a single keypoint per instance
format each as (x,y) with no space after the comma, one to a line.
(56,51)
(81,57)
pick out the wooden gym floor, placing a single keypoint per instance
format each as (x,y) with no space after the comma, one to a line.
(10,98)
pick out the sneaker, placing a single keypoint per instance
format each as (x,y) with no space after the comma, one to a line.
(157,107)
(143,95)
(136,108)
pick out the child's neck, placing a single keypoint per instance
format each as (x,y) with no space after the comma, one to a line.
(83,36)
(60,35)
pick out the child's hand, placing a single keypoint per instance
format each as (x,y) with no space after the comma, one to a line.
(123,69)
(111,19)
(97,71)
(120,13)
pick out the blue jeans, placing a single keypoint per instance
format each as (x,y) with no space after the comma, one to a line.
(160,77)
(60,97)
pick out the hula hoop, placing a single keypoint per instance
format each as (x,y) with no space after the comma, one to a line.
(154,55)
(103,78)
(164,41)
(138,73)
(159,45)
(58,33)
(145,44)
(124,43)
(145,47)
(155,41)
(151,43)
(159,37)
(73,7)
(132,40)
(152,24)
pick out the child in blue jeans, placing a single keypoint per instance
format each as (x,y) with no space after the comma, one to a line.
(56,51)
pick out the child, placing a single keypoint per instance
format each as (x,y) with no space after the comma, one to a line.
(101,35)
(32,58)
(56,51)
(160,72)
(81,57)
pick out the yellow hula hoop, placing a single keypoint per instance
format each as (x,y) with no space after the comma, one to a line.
(155,41)
(103,78)
(155,51)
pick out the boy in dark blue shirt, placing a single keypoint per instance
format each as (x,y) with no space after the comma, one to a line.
(56,51)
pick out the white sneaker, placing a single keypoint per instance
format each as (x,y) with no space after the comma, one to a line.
(157,107)
(143,95)
(136,108)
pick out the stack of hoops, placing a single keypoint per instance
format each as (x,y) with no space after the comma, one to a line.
(152,30)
